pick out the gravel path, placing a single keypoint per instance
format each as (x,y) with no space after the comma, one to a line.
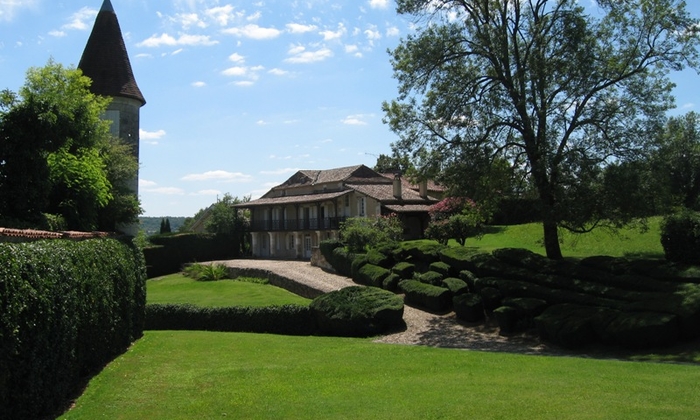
(422,328)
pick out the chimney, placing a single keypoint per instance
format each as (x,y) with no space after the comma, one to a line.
(423,188)
(397,186)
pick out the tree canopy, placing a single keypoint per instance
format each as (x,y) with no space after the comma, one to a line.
(57,156)
(557,91)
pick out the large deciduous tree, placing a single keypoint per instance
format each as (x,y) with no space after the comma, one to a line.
(553,88)
(57,156)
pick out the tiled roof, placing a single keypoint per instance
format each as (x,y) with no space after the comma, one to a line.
(43,234)
(385,193)
(346,174)
(106,61)
(293,199)
(408,208)
(432,185)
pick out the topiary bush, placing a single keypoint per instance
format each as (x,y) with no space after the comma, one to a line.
(455,285)
(469,307)
(440,267)
(66,308)
(680,237)
(433,298)
(431,277)
(371,275)
(341,260)
(391,282)
(358,311)
(404,269)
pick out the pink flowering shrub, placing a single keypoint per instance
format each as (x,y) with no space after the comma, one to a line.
(455,218)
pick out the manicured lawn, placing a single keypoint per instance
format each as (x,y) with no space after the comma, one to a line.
(177,288)
(203,375)
(626,243)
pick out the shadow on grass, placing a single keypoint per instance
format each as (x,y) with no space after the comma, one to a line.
(492,230)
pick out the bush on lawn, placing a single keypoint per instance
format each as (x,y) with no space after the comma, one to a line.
(431,277)
(372,275)
(433,298)
(283,319)
(680,237)
(455,285)
(327,246)
(573,326)
(341,260)
(507,318)
(441,267)
(66,308)
(357,311)
(391,282)
(171,252)
(420,251)
(469,307)
(404,269)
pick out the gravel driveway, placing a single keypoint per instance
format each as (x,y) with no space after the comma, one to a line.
(423,328)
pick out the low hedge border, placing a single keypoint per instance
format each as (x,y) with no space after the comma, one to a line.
(285,319)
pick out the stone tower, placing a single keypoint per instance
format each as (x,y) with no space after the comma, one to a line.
(106,62)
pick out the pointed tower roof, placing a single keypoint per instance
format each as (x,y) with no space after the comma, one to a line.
(106,61)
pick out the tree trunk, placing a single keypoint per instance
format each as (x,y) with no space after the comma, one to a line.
(551,239)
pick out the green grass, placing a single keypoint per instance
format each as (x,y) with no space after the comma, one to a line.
(177,288)
(626,243)
(204,375)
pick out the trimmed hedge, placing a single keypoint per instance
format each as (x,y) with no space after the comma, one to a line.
(404,269)
(431,277)
(441,267)
(341,260)
(431,297)
(284,319)
(391,282)
(455,285)
(171,252)
(371,275)
(469,307)
(357,311)
(680,237)
(66,308)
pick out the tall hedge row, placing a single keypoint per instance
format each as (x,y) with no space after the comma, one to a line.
(171,252)
(66,308)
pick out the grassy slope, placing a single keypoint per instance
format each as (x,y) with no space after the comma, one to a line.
(177,288)
(184,375)
(627,242)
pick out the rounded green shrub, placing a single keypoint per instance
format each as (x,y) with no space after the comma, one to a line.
(404,269)
(358,311)
(433,298)
(680,237)
(508,319)
(469,307)
(371,275)
(391,282)
(441,267)
(431,277)
(455,285)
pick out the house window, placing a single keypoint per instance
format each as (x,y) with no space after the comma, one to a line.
(290,241)
(347,200)
(361,207)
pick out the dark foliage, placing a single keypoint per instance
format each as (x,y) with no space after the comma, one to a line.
(66,308)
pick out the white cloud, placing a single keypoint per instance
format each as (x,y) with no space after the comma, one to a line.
(254,31)
(297,28)
(80,20)
(393,31)
(151,137)
(163,190)
(57,34)
(221,15)
(187,20)
(236,58)
(299,55)
(379,4)
(145,183)
(143,56)
(198,84)
(331,35)
(278,72)
(373,34)
(235,71)
(9,8)
(262,122)
(355,120)
(168,40)
(219,175)
(353,49)
(244,83)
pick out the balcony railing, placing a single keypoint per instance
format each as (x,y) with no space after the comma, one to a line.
(297,224)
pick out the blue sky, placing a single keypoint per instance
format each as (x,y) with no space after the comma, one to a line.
(241,94)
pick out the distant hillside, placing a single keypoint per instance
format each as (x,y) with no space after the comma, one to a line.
(151,225)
